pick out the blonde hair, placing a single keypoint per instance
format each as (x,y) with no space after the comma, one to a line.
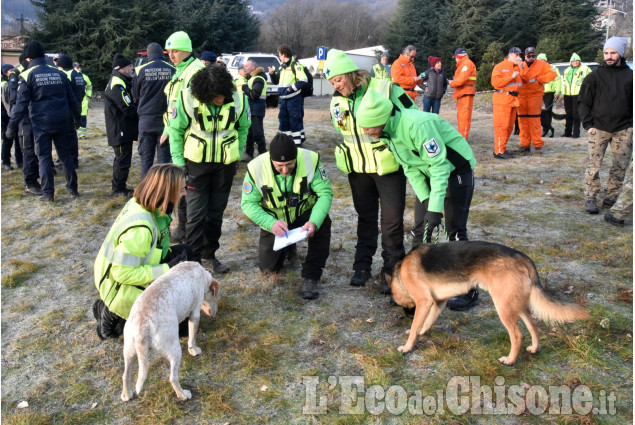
(161,185)
(360,78)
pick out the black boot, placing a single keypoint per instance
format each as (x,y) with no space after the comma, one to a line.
(464,302)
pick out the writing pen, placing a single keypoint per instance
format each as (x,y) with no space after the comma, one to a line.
(285,235)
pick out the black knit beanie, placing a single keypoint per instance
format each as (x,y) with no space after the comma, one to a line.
(283,148)
(34,50)
(120,61)
(65,62)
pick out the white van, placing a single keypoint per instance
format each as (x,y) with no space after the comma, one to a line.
(265,60)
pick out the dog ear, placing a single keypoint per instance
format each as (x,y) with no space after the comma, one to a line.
(215,288)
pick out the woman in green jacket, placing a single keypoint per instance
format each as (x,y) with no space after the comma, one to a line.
(137,249)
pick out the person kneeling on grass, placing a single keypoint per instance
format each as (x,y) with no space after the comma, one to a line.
(438,163)
(137,249)
(287,188)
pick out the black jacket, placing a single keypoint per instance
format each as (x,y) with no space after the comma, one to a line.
(437,84)
(45,95)
(257,103)
(121,113)
(605,101)
(148,85)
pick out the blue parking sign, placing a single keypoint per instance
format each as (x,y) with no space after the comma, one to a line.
(321,53)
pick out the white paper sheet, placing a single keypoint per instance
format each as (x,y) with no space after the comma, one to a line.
(293,236)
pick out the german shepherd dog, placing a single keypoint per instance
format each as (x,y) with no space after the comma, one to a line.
(428,276)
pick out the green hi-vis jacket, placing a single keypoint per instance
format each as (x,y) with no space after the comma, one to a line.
(380,72)
(359,152)
(269,196)
(208,133)
(429,149)
(572,79)
(180,80)
(130,257)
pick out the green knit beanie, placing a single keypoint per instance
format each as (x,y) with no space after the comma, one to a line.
(374,110)
(338,63)
(179,41)
(542,57)
(574,57)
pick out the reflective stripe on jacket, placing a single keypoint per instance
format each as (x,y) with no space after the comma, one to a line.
(130,257)
(464,78)
(360,153)
(572,79)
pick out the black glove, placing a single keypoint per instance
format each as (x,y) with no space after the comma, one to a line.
(432,220)
(178,259)
(244,88)
(9,133)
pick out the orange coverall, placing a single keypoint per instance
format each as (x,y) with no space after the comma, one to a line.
(530,101)
(505,101)
(403,72)
(463,84)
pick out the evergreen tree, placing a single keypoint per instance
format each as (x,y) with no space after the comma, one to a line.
(516,23)
(216,25)
(418,23)
(494,53)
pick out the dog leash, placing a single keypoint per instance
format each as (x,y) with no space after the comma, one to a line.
(436,239)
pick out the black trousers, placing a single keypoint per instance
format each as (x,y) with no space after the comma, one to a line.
(315,260)
(547,99)
(121,166)
(30,164)
(369,191)
(256,135)
(7,144)
(458,197)
(44,141)
(150,131)
(572,121)
(208,187)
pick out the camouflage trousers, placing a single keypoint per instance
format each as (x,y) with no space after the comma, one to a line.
(621,148)
(624,202)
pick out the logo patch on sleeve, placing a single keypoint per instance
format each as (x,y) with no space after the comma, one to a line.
(337,113)
(432,148)
(248,187)
(464,68)
(173,112)
(323,173)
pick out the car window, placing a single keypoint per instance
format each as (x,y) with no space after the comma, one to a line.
(266,61)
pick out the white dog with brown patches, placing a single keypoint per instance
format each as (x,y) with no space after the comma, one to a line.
(181,293)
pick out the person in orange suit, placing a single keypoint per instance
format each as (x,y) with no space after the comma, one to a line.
(534,73)
(463,84)
(506,82)
(403,71)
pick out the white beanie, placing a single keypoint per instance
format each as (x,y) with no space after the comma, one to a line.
(617,43)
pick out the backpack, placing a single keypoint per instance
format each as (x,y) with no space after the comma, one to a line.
(307,90)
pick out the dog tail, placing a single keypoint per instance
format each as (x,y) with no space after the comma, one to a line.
(559,117)
(546,308)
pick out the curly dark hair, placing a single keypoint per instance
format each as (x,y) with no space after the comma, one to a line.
(285,50)
(212,81)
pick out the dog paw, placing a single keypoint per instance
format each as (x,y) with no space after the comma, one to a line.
(195,351)
(186,395)
(533,350)
(506,361)
(403,349)
(125,396)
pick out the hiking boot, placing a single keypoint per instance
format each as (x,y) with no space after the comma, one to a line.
(384,286)
(309,289)
(7,167)
(608,203)
(126,192)
(609,218)
(504,155)
(538,151)
(47,198)
(464,302)
(33,189)
(565,135)
(216,266)
(360,277)
(524,150)
(591,206)
(74,193)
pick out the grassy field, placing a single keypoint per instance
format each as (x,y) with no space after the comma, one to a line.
(270,357)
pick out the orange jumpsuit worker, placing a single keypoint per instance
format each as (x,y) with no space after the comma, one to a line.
(506,82)
(463,84)
(403,71)
(534,73)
